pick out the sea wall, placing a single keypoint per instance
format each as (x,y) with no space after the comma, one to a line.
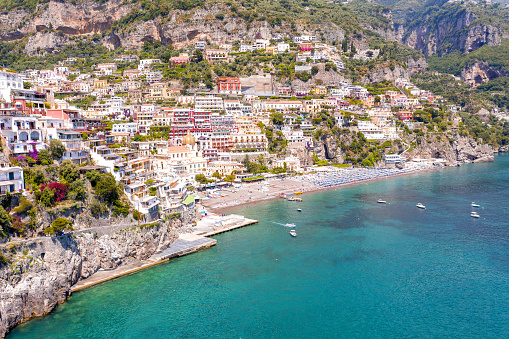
(39,272)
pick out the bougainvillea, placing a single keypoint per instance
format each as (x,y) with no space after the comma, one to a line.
(59,189)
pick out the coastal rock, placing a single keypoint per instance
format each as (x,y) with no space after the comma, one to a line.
(42,270)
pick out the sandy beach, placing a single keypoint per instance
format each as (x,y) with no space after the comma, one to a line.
(322,179)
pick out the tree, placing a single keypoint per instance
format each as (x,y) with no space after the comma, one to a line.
(198,57)
(277,118)
(344,45)
(58,226)
(47,197)
(201,178)
(5,222)
(77,190)
(68,171)
(217,175)
(107,189)
(27,85)
(314,70)
(56,148)
(45,157)
(93,176)
(353,50)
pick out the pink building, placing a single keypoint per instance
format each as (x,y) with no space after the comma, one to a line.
(183,58)
(306,46)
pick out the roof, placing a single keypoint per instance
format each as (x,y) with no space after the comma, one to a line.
(177,149)
(188,200)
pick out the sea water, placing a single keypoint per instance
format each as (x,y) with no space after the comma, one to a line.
(356,269)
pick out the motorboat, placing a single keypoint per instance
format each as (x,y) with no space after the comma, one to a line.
(421,206)
(299,210)
(380,201)
(475,215)
(293,233)
(290,225)
(291,199)
(475,205)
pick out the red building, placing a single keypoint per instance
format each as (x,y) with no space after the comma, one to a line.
(228,85)
(306,46)
(405,115)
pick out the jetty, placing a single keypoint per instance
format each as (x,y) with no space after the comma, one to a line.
(185,244)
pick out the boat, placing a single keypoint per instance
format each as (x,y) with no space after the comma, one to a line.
(293,233)
(380,201)
(299,210)
(291,199)
(475,205)
(475,215)
(421,206)
(297,199)
(290,225)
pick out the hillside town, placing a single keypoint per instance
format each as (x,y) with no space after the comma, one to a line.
(163,140)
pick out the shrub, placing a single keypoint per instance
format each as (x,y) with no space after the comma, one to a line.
(58,226)
(98,208)
(120,208)
(4,260)
(94,177)
(56,148)
(77,190)
(23,207)
(47,197)
(5,222)
(107,188)
(44,157)
(59,190)
(68,171)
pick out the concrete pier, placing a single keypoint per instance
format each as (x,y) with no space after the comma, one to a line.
(185,244)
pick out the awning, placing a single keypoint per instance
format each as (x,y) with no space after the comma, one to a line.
(188,200)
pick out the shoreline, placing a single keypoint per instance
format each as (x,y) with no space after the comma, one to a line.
(226,209)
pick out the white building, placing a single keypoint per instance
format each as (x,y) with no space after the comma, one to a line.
(209,102)
(370,130)
(21,134)
(129,127)
(283,47)
(11,180)
(9,81)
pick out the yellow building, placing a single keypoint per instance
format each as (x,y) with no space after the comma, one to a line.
(100,83)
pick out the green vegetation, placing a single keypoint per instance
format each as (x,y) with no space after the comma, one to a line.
(58,226)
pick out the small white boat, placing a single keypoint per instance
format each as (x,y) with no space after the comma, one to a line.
(380,201)
(475,205)
(475,215)
(291,199)
(421,206)
(290,225)
(299,210)
(293,233)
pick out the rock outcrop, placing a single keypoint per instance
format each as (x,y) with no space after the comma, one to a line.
(480,72)
(456,31)
(459,149)
(42,270)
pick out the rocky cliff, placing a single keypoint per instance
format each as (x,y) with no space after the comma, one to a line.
(458,149)
(450,32)
(40,272)
(480,72)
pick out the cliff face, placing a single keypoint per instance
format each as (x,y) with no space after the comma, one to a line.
(480,72)
(43,270)
(461,150)
(451,32)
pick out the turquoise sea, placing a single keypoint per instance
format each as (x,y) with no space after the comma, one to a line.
(357,269)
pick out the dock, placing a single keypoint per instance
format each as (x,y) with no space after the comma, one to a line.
(186,243)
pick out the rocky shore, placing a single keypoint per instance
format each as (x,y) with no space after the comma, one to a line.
(41,271)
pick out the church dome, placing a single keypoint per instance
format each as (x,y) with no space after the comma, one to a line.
(188,139)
